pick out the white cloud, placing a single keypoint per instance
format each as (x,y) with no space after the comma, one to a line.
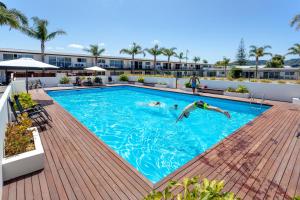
(155,42)
(101,44)
(59,48)
(49,48)
(76,46)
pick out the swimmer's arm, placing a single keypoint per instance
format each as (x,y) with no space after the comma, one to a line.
(219,110)
(180,117)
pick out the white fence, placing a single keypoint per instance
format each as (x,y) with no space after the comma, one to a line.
(5,117)
(271,91)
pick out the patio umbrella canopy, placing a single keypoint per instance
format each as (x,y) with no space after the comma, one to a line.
(96,68)
(26,64)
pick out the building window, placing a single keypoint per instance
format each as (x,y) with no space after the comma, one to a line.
(102,61)
(81,60)
(64,62)
(116,63)
(16,56)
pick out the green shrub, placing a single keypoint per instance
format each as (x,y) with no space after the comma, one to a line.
(253,80)
(242,89)
(97,80)
(140,80)
(281,82)
(241,79)
(213,78)
(25,100)
(64,80)
(229,78)
(265,81)
(239,89)
(235,72)
(18,139)
(296,198)
(297,82)
(193,190)
(188,85)
(230,89)
(123,77)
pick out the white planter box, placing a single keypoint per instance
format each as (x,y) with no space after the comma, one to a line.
(24,163)
(161,86)
(138,83)
(235,94)
(187,89)
(296,101)
(65,85)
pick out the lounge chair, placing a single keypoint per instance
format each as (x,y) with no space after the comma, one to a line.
(37,117)
(34,108)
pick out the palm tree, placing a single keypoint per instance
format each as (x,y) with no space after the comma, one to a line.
(95,50)
(135,49)
(180,56)
(154,51)
(169,53)
(12,17)
(39,31)
(225,63)
(196,59)
(296,21)
(258,52)
(295,50)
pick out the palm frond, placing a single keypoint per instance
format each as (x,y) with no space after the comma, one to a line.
(295,20)
(2,5)
(20,16)
(54,34)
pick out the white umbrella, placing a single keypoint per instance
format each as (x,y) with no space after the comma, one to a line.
(27,64)
(96,68)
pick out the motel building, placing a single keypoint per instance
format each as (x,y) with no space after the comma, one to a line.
(73,65)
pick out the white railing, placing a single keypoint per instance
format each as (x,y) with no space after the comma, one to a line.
(5,117)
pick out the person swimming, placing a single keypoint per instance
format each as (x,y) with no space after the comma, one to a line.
(154,104)
(200,104)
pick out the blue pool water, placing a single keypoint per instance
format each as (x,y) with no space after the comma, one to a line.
(148,137)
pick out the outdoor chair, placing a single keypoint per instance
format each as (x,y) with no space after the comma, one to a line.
(34,116)
(34,108)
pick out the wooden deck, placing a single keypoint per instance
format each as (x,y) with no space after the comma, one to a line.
(259,161)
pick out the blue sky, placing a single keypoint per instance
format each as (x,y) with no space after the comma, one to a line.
(210,29)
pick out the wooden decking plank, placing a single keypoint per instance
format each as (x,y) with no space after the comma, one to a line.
(288,173)
(21,189)
(258,163)
(88,190)
(44,186)
(95,141)
(54,171)
(91,169)
(210,159)
(105,168)
(37,188)
(12,191)
(226,153)
(72,183)
(263,165)
(28,188)
(81,172)
(276,159)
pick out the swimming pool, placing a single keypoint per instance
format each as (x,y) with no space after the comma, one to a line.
(148,137)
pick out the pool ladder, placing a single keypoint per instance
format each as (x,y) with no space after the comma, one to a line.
(252,100)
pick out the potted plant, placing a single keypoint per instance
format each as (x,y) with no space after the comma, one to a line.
(161,85)
(23,150)
(240,91)
(97,81)
(123,79)
(188,87)
(65,82)
(140,81)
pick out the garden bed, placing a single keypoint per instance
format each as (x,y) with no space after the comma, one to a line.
(24,163)
(236,94)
